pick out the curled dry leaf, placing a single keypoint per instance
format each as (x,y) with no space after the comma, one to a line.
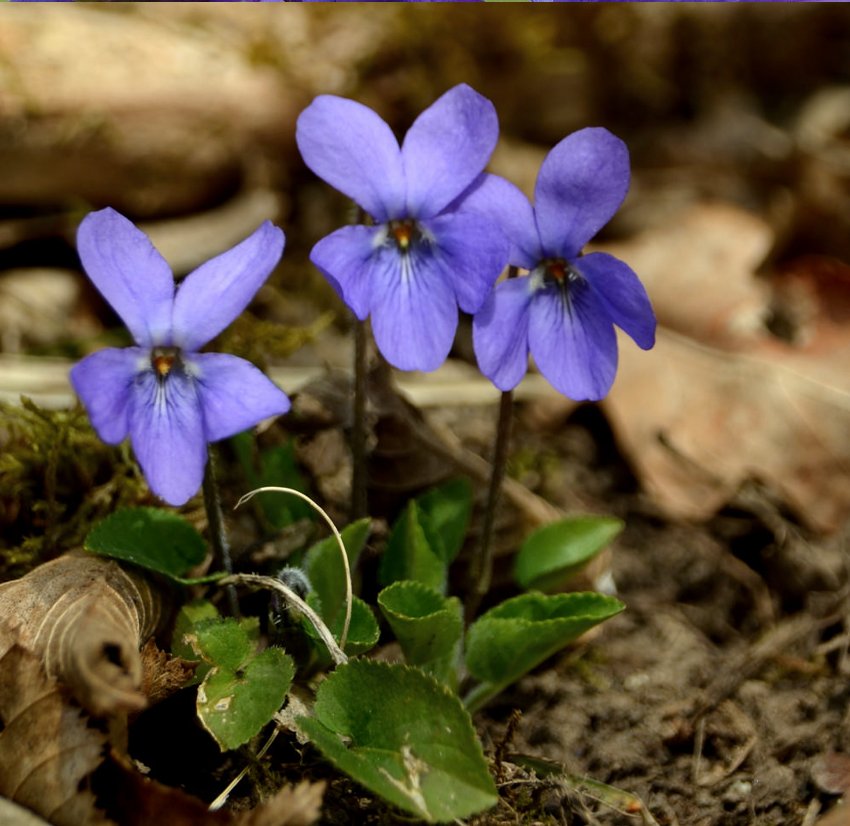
(85,617)
(47,750)
(162,673)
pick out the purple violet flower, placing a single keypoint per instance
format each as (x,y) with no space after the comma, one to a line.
(169,398)
(564,311)
(420,259)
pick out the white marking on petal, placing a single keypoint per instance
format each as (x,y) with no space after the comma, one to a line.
(380,238)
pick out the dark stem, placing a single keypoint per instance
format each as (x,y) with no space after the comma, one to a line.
(215,520)
(358,426)
(481,565)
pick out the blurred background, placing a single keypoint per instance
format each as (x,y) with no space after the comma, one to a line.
(737,116)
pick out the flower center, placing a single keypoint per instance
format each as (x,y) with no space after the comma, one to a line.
(405,231)
(163,360)
(558,271)
(560,275)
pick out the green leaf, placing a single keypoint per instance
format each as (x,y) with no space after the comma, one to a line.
(225,642)
(363,633)
(234,704)
(514,637)
(427,625)
(409,555)
(324,569)
(444,512)
(556,552)
(153,538)
(190,615)
(404,736)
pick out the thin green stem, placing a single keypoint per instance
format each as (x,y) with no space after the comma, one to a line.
(218,535)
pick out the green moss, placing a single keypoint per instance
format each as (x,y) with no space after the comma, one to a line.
(259,340)
(56,479)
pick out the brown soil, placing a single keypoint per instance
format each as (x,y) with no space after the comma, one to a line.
(715,697)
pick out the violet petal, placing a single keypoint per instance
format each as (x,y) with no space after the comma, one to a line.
(573,342)
(131,275)
(446,148)
(619,290)
(580,186)
(215,293)
(504,203)
(469,251)
(500,333)
(348,258)
(234,394)
(414,312)
(104,381)
(348,145)
(167,434)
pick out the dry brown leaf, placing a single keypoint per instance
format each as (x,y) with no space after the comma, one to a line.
(163,674)
(699,422)
(719,401)
(700,273)
(298,805)
(47,750)
(85,617)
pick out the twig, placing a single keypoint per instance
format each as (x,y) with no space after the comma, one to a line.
(340,544)
(222,798)
(257,581)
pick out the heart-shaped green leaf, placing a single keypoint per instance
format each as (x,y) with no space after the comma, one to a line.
(363,632)
(324,567)
(409,555)
(558,551)
(184,637)
(402,735)
(153,538)
(514,637)
(427,625)
(225,642)
(234,704)
(444,513)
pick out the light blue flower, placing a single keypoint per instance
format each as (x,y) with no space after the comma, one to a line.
(564,310)
(420,259)
(167,396)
